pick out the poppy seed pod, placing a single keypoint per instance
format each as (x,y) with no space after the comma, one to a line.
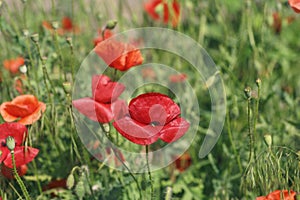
(10,143)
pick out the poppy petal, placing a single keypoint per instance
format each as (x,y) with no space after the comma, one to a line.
(136,132)
(15,130)
(22,156)
(145,107)
(104,90)
(150,8)
(8,172)
(5,114)
(33,117)
(3,153)
(295,4)
(94,110)
(174,130)
(119,109)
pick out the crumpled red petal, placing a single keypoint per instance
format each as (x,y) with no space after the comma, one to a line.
(295,4)
(136,132)
(118,55)
(22,156)
(119,109)
(153,107)
(15,130)
(150,8)
(104,90)
(3,153)
(8,172)
(94,110)
(174,130)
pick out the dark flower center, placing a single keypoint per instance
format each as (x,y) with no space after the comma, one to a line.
(154,123)
(3,144)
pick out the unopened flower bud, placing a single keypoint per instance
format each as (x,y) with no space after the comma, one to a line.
(106,127)
(69,40)
(23,69)
(25,32)
(10,143)
(258,82)
(248,91)
(70,181)
(55,24)
(67,87)
(79,189)
(111,24)
(268,139)
(35,37)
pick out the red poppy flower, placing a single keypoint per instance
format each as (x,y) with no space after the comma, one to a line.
(8,172)
(18,84)
(26,109)
(118,55)
(276,195)
(104,97)
(295,4)
(13,65)
(100,38)
(183,162)
(152,116)
(176,78)
(153,7)
(23,155)
(277,22)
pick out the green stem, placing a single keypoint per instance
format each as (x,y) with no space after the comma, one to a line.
(19,180)
(256,117)
(232,143)
(149,172)
(250,134)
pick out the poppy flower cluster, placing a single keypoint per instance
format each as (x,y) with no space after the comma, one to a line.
(277,194)
(26,109)
(163,11)
(119,55)
(23,154)
(105,95)
(152,116)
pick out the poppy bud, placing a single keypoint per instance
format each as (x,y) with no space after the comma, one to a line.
(70,181)
(67,87)
(268,139)
(248,91)
(25,32)
(169,193)
(79,189)
(35,37)
(106,127)
(258,82)
(111,24)
(55,25)
(69,40)
(23,69)
(10,143)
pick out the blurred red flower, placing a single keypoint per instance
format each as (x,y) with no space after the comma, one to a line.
(26,109)
(23,155)
(176,78)
(277,22)
(102,36)
(295,4)
(183,162)
(8,173)
(67,26)
(105,95)
(118,55)
(152,116)
(13,65)
(155,7)
(18,84)
(276,195)
(148,73)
